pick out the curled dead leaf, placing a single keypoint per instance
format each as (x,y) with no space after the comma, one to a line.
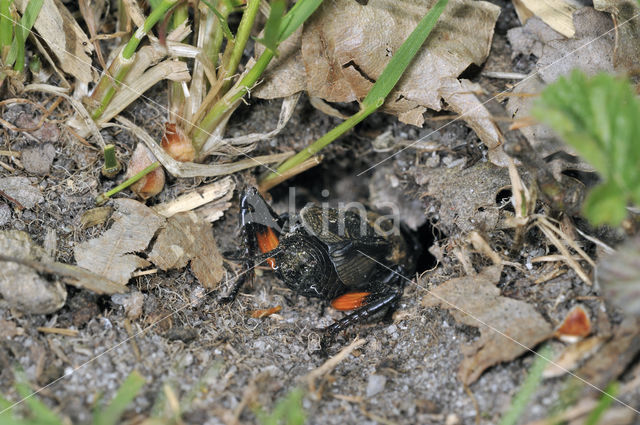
(186,238)
(177,144)
(151,184)
(508,327)
(342,58)
(111,255)
(575,324)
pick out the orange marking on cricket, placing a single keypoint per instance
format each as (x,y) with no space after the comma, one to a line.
(350,301)
(268,241)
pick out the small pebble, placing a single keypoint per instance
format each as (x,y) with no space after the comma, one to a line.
(38,160)
(375,385)
(5,214)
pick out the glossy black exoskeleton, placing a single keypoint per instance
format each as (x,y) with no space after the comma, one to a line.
(355,262)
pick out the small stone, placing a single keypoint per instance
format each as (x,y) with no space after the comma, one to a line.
(5,214)
(132,303)
(375,385)
(183,334)
(38,160)
(20,190)
(21,286)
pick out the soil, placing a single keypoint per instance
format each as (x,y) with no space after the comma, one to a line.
(217,359)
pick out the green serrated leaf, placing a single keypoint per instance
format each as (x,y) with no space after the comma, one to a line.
(600,118)
(605,204)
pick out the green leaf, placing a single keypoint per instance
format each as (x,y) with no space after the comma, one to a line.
(223,22)
(288,411)
(296,16)
(6,24)
(600,118)
(42,414)
(605,204)
(603,404)
(16,54)
(528,388)
(130,388)
(403,57)
(271,37)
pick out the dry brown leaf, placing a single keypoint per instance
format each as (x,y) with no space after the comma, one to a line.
(477,299)
(345,47)
(218,192)
(65,38)
(614,356)
(626,55)
(555,13)
(572,356)
(110,255)
(286,74)
(20,190)
(152,183)
(187,238)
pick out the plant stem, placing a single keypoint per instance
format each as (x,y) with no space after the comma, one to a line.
(224,105)
(104,197)
(322,142)
(380,90)
(121,65)
(176,94)
(111,165)
(237,46)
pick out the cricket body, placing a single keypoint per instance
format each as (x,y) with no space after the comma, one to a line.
(331,254)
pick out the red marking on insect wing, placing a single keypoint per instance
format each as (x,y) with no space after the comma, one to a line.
(268,241)
(350,301)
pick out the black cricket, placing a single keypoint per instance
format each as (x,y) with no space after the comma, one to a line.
(330,254)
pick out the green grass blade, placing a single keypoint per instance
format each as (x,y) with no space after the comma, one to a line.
(130,388)
(271,37)
(41,413)
(529,387)
(16,54)
(603,404)
(6,25)
(403,57)
(296,16)
(221,19)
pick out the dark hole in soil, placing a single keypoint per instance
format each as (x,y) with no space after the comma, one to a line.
(427,234)
(471,72)
(503,198)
